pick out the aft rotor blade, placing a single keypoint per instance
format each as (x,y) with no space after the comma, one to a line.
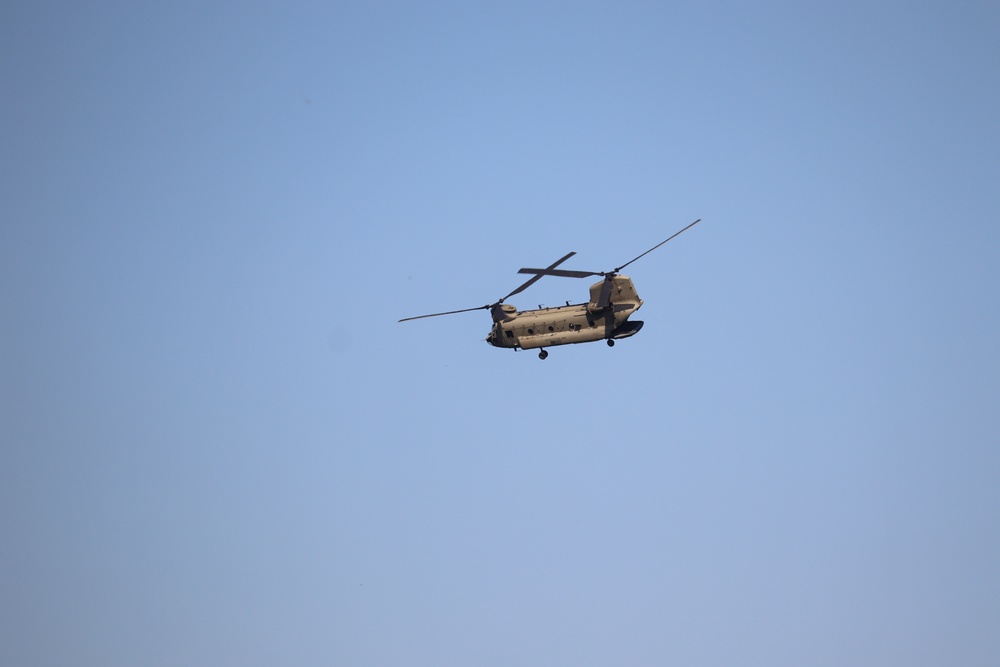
(450,312)
(602,300)
(561,273)
(535,279)
(657,245)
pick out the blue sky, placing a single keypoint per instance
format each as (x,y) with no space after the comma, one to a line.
(219,447)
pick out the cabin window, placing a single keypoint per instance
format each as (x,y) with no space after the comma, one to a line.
(510,334)
(551,329)
(531,332)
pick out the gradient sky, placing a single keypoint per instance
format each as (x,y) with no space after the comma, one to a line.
(220,448)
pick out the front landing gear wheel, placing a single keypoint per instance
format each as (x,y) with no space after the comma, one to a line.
(543,354)
(611,342)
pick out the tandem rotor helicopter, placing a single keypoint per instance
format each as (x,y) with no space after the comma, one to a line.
(604,317)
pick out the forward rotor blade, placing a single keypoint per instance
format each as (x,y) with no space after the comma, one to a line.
(657,246)
(535,279)
(450,312)
(560,273)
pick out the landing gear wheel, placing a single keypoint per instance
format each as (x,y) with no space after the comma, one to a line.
(543,354)
(611,342)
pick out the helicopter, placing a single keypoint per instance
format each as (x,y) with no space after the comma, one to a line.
(605,316)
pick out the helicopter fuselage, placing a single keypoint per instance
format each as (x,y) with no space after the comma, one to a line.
(604,317)
(572,323)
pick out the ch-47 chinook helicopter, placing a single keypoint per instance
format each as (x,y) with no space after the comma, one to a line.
(604,317)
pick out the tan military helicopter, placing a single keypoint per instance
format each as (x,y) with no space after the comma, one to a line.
(604,317)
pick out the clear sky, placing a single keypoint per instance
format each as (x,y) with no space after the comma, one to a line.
(218,446)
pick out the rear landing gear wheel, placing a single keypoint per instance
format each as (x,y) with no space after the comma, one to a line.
(611,342)
(543,354)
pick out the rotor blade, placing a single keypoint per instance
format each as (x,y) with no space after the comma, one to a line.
(602,300)
(450,312)
(532,281)
(561,273)
(657,246)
